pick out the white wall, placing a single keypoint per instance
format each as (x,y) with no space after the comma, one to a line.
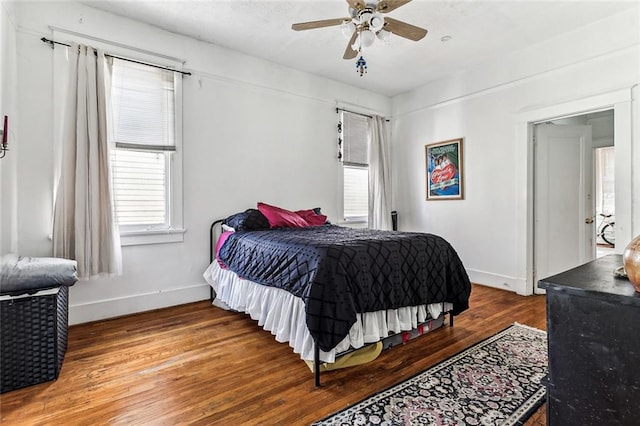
(252,131)
(8,107)
(486,106)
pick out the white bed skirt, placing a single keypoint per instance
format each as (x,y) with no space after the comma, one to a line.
(282,313)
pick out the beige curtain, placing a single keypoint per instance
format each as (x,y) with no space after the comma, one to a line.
(379,174)
(83,225)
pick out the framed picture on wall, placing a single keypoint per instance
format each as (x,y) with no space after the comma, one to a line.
(444,170)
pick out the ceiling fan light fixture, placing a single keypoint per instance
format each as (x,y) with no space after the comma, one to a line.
(365,16)
(348,28)
(367,38)
(376,22)
(383,35)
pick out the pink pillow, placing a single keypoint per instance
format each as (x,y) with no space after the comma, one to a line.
(312,218)
(221,239)
(281,218)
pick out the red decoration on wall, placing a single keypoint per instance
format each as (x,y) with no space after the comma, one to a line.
(5,137)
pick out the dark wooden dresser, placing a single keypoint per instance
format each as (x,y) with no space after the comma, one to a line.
(593,326)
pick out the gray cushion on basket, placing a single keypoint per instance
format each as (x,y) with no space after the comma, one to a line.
(21,274)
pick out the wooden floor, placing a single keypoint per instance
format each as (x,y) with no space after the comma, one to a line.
(197,364)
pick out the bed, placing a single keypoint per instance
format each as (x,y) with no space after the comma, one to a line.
(328,290)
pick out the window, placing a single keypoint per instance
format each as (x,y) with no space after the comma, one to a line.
(605,180)
(356,193)
(146,163)
(354,148)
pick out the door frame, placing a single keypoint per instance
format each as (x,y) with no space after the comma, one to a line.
(620,101)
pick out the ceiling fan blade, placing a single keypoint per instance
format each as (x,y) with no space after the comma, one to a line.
(385,6)
(356,4)
(403,29)
(318,24)
(349,53)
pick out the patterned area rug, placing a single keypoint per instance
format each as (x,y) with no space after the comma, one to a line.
(495,382)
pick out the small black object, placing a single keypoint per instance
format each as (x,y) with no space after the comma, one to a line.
(394,220)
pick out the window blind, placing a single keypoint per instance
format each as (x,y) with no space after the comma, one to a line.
(355,141)
(143,104)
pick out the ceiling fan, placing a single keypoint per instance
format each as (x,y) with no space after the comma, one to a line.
(365,23)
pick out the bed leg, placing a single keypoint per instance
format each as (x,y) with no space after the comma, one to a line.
(316,364)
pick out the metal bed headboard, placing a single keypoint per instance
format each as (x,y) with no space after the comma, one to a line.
(212,238)
(212,249)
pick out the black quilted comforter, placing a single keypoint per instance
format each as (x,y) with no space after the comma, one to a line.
(340,271)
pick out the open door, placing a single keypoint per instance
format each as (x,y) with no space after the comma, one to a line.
(564,228)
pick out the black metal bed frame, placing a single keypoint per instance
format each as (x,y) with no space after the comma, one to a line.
(316,348)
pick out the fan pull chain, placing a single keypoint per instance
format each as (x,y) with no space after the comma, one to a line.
(361,66)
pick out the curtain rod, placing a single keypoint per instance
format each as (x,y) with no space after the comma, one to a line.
(52,42)
(353,112)
(356,113)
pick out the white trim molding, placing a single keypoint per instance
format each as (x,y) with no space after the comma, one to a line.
(502,282)
(133,304)
(619,100)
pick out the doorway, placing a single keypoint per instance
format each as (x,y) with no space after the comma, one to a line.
(571,190)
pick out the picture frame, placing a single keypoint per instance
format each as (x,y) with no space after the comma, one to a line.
(444,170)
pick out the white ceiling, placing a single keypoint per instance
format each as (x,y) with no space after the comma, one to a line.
(480,30)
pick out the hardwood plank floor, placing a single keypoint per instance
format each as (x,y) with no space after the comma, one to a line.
(197,364)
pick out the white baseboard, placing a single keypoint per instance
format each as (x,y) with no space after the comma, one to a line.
(503,282)
(110,308)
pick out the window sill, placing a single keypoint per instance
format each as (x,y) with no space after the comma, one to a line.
(153,236)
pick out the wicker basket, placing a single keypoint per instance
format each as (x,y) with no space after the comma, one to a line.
(33,338)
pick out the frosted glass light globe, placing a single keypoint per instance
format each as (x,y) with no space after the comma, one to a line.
(367,38)
(365,17)
(383,35)
(376,22)
(348,29)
